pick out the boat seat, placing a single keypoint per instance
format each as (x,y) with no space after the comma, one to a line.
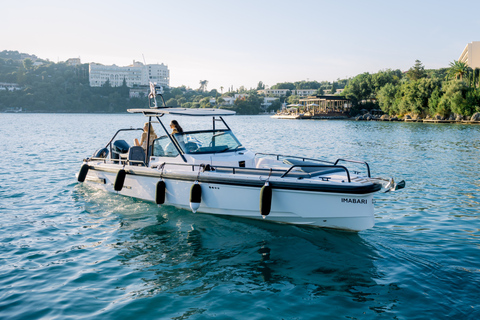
(136,156)
(191,147)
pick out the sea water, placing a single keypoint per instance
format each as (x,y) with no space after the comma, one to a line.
(68,251)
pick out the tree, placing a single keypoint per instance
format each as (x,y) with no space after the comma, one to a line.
(474,78)
(249,105)
(458,69)
(276,105)
(459,98)
(28,64)
(414,96)
(285,85)
(359,88)
(387,98)
(334,88)
(293,99)
(203,85)
(220,101)
(124,89)
(417,71)
(307,85)
(172,102)
(205,103)
(381,78)
(260,86)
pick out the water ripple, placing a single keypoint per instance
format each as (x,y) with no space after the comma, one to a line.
(69,251)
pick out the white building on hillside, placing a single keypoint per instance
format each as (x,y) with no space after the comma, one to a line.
(7,86)
(274,92)
(471,55)
(305,92)
(229,100)
(73,62)
(267,102)
(134,74)
(283,92)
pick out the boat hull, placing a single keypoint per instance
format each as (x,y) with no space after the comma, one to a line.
(346,211)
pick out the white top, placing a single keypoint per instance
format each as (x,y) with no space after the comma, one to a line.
(185,111)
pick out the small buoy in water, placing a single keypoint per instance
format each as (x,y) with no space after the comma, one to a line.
(82,174)
(160,192)
(195,196)
(265,199)
(119,180)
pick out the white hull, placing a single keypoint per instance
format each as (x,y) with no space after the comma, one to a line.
(210,171)
(324,209)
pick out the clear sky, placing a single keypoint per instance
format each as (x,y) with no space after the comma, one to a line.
(239,43)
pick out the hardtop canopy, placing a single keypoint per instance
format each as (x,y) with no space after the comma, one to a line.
(183,112)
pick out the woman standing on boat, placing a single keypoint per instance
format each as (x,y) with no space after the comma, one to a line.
(143,141)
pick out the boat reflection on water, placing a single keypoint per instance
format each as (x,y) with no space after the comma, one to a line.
(195,254)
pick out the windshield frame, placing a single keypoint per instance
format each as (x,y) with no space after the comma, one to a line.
(212,147)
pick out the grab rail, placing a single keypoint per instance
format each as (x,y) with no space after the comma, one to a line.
(283,173)
(116,161)
(277,172)
(294,157)
(319,166)
(129,129)
(355,161)
(278,156)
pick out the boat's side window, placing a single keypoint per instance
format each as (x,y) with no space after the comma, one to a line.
(163,147)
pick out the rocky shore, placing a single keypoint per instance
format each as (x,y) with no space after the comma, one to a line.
(474,119)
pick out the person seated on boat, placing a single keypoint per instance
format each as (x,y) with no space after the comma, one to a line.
(143,140)
(175,127)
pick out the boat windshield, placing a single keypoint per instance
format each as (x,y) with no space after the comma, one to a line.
(208,141)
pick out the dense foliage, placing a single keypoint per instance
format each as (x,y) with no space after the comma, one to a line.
(57,87)
(445,92)
(46,86)
(321,87)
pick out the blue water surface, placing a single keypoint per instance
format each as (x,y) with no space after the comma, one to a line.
(68,251)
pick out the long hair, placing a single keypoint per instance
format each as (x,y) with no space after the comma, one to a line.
(152,132)
(177,126)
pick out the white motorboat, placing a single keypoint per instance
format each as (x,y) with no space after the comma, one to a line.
(210,171)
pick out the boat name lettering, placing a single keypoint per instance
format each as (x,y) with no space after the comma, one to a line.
(349,200)
(211,187)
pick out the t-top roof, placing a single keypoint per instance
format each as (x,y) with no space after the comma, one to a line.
(184,112)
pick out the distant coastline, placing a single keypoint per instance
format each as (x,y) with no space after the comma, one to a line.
(475,119)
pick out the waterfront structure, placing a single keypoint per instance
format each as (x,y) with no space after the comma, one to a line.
(326,105)
(317,107)
(73,62)
(8,86)
(471,55)
(136,74)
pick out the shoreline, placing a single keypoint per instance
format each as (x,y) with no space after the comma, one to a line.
(369,117)
(294,117)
